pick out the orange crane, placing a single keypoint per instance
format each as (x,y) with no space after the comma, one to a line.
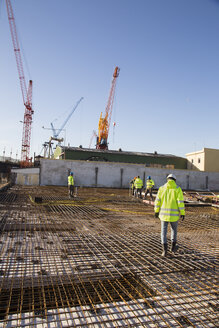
(104,122)
(26,93)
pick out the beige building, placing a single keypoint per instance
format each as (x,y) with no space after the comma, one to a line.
(206,159)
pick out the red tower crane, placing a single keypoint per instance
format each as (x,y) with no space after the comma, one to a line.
(104,122)
(26,93)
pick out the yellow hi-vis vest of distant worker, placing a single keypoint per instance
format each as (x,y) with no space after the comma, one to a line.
(149,183)
(70,180)
(169,202)
(138,183)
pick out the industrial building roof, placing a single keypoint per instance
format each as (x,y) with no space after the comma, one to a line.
(155,154)
(149,159)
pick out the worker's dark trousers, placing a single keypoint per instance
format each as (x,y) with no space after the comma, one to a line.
(148,191)
(164,226)
(138,191)
(71,190)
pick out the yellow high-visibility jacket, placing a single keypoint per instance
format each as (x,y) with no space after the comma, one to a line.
(149,183)
(138,183)
(169,202)
(70,180)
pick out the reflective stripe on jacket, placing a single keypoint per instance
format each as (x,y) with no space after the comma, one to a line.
(138,183)
(169,202)
(149,183)
(70,180)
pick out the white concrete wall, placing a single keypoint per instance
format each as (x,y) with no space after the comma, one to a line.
(117,175)
(26,176)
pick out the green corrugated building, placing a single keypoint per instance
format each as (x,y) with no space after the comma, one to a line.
(149,159)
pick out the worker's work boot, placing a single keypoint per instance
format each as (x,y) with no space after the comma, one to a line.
(173,247)
(164,254)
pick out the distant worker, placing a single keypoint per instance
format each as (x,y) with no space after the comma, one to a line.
(169,207)
(138,184)
(132,185)
(149,187)
(71,185)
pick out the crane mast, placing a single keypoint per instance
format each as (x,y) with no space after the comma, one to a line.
(26,93)
(104,122)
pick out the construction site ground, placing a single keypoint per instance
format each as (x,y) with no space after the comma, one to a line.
(95,261)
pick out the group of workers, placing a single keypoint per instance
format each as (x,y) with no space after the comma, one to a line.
(169,206)
(136,185)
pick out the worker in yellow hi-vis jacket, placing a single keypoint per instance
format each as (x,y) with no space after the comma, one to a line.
(169,207)
(149,187)
(71,185)
(132,185)
(138,184)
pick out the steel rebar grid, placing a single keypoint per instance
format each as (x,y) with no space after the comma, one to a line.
(74,266)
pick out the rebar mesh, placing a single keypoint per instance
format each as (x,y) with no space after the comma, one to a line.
(95,262)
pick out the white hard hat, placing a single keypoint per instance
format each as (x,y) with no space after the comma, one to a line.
(171,176)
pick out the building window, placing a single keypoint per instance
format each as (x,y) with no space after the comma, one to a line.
(199,160)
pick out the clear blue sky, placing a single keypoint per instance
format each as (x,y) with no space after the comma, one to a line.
(167,94)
